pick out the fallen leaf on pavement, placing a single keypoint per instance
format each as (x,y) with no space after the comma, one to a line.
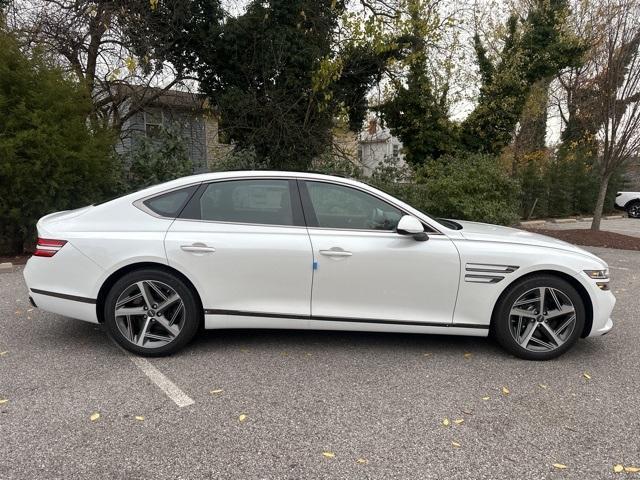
(242,417)
(94,416)
(466,412)
(467,355)
(542,385)
(618,468)
(486,397)
(455,445)
(427,354)
(140,418)
(560,466)
(218,390)
(3,401)
(2,354)
(505,391)
(632,469)
(362,461)
(328,454)
(586,375)
(446,422)
(458,421)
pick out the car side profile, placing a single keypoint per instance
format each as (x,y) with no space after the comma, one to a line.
(288,250)
(629,202)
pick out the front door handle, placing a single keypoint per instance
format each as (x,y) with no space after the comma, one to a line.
(335,252)
(197,248)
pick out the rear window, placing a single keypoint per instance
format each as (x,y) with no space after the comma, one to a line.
(170,204)
(260,201)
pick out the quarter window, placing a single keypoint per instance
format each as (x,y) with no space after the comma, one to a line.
(170,204)
(337,206)
(266,202)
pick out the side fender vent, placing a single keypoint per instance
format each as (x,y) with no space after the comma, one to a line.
(487,273)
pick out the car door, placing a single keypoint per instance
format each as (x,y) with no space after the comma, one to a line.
(365,270)
(243,243)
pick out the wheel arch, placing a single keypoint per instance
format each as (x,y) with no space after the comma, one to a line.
(631,202)
(582,291)
(115,276)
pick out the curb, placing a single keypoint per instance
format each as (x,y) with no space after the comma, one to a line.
(540,223)
(6,267)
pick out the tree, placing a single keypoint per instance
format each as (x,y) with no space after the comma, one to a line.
(534,48)
(50,157)
(278,78)
(602,118)
(109,45)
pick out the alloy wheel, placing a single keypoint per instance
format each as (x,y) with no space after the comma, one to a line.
(634,210)
(149,314)
(542,319)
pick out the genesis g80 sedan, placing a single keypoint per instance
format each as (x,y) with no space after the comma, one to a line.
(288,250)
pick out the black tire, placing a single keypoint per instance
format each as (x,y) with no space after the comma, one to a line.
(502,319)
(633,209)
(190,317)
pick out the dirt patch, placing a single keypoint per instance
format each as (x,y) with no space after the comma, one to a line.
(15,259)
(592,239)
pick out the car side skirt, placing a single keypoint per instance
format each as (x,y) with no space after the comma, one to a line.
(228,319)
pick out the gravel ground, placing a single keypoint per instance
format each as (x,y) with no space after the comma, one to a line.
(375,401)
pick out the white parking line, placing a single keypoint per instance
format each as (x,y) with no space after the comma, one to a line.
(172,391)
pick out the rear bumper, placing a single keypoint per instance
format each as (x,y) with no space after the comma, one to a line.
(618,207)
(55,303)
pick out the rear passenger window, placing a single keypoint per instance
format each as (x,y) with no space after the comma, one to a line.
(266,202)
(170,204)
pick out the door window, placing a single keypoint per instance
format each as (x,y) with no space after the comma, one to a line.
(337,206)
(266,202)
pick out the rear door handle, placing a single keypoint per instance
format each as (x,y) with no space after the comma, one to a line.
(197,248)
(335,252)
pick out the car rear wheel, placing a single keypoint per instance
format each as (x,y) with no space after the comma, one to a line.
(151,312)
(539,318)
(633,209)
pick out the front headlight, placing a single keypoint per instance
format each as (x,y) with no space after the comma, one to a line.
(598,274)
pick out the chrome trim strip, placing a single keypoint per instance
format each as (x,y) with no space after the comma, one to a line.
(490,268)
(482,278)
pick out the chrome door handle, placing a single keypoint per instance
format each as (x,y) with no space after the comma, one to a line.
(336,253)
(197,248)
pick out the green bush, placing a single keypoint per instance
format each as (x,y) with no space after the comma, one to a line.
(467,187)
(51,158)
(155,160)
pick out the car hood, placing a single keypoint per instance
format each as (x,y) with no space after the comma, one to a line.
(495,233)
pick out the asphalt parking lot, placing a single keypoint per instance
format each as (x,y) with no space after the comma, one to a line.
(316,404)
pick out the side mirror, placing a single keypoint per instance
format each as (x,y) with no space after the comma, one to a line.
(410,225)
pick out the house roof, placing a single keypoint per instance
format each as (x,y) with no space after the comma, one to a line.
(154,96)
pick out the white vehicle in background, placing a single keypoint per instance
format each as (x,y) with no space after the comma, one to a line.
(629,202)
(307,251)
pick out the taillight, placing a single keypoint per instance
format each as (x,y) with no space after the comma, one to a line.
(47,247)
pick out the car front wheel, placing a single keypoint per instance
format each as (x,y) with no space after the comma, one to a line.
(151,312)
(539,318)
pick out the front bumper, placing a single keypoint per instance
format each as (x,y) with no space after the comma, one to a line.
(603,302)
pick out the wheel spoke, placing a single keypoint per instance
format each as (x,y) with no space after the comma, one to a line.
(157,290)
(542,343)
(565,310)
(521,312)
(173,330)
(120,312)
(542,298)
(563,326)
(168,302)
(143,332)
(175,314)
(555,298)
(528,333)
(549,331)
(128,299)
(146,295)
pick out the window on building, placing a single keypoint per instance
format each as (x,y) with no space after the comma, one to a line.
(153,122)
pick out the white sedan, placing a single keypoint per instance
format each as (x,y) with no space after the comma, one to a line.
(308,251)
